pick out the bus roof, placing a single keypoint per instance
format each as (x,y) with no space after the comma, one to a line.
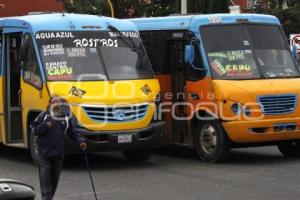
(64,22)
(194,21)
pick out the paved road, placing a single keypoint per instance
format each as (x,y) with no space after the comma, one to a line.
(175,174)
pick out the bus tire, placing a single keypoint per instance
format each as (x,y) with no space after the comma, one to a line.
(33,147)
(211,141)
(138,156)
(290,148)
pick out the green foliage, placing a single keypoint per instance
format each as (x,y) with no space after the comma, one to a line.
(218,6)
(161,8)
(94,7)
(124,8)
(167,7)
(290,18)
(279,4)
(128,8)
(288,13)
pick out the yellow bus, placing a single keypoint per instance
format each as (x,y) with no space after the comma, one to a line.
(97,64)
(227,80)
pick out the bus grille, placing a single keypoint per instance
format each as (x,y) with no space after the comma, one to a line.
(278,104)
(123,113)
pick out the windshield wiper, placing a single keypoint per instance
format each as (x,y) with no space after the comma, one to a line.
(130,43)
(127,41)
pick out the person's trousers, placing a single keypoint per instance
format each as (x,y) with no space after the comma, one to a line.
(49,172)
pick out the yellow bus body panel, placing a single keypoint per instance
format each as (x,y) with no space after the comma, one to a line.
(108,93)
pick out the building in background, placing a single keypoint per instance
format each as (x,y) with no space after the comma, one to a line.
(249,5)
(23,7)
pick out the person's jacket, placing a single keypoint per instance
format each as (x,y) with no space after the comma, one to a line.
(51,141)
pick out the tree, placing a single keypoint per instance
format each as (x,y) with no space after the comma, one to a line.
(167,7)
(138,8)
(122,8)
(288,12)
(162,8)
(129,8)
(217,6)
(94,7)
(290,19)
(280,4)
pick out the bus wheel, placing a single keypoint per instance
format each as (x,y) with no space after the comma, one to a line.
(33,148)
(211,141)
(141,155)
(290,148)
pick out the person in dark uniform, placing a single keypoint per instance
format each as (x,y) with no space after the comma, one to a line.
(50,127)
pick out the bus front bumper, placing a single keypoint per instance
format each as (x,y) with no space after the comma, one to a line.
(265,130)
(99,141)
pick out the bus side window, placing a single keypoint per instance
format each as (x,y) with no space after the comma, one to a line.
(196,74)
(159,48)
(155,46)
(32,74)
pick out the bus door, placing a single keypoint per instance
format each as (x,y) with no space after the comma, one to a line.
(12,100)
(176,65)
(2,126)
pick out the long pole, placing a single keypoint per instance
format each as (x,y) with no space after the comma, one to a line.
(183,7)
(111,8)
(90,174)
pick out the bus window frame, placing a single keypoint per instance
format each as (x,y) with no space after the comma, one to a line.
(252,48)
(36,56)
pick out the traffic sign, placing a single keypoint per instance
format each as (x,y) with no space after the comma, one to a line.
(295,41)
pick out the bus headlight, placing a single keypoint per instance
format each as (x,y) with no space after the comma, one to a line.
(236,108)
(247,111)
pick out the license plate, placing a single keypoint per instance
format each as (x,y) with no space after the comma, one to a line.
(124,139)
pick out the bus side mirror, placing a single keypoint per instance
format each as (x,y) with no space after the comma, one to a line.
(195,72)
(189,54)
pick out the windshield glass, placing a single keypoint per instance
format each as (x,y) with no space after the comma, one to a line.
(272,51)
(248,51)
(92,55)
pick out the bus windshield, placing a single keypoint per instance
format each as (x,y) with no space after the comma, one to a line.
(90,55)
(248,51)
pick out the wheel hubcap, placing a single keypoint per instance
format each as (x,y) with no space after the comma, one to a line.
(208,139)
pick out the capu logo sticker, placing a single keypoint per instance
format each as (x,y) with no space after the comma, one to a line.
(58,68)
(60,71)
(238,68)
